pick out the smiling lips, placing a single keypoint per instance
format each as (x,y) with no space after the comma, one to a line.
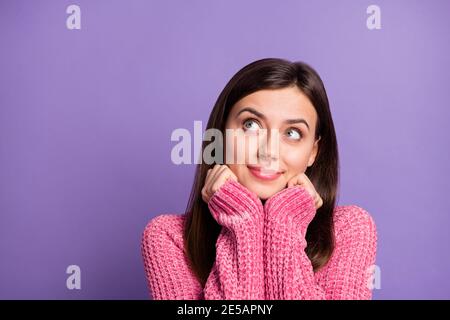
(264,174)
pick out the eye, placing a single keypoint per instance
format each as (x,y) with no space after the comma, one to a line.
(294,134)
(251,125)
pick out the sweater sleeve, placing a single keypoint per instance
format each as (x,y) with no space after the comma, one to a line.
(238,271)
(288,271)
(166,267)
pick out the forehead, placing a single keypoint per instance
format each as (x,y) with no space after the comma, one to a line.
(279,104)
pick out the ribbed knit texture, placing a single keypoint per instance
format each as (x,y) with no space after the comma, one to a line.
(260,251)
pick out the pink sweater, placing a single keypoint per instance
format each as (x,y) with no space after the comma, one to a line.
(260,251)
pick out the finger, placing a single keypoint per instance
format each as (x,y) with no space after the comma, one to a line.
(205,190)
(292,181)
(220,178)
(312,187)
(218,183)
(211,187)
(308,181)
(204,195)
(320,203)
(217,169)
(296,180)
(210,177)
(232,175)
(207,174)
(303,181)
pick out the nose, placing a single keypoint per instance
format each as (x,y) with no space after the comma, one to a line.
(268,146)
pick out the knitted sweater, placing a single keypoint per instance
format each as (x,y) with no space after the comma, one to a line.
(260,251)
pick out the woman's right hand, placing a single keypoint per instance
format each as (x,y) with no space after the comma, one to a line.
(215,178)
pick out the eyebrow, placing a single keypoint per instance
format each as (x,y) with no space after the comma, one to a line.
(260,115)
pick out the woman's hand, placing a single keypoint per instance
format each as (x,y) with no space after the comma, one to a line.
(215,178)
(231,204)
(303,180)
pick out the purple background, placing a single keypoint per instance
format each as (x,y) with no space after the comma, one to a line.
(86,118)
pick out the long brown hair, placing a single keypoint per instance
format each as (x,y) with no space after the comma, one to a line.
(201,230)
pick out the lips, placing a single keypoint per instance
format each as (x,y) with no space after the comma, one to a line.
(264,173)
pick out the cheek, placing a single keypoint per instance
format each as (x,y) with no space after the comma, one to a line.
(241,148)
(240,171)
(295,160)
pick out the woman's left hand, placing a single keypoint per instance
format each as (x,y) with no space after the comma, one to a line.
(303,180)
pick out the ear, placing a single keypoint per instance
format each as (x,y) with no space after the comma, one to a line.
(313,155)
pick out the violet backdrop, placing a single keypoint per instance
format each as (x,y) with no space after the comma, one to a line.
(86,118)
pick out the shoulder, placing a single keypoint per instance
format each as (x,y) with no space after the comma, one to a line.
(353,220)
(165,228)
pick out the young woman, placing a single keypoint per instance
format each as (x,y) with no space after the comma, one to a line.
(267,227)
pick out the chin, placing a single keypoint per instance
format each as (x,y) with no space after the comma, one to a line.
(263,192)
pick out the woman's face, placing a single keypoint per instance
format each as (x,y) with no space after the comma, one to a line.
(265,160)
